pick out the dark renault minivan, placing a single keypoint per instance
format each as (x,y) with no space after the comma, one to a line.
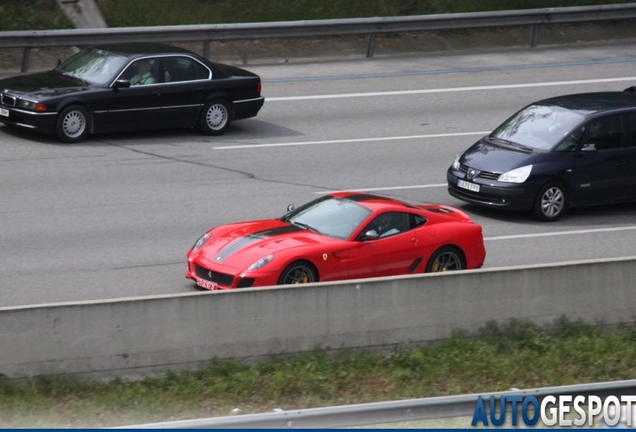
(557,153)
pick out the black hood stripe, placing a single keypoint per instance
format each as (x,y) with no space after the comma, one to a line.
(241,242)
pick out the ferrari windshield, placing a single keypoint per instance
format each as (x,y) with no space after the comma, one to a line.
(330,216)
(92,65)
(538,126)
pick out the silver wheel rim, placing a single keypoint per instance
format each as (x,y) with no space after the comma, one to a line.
(552,202)
(447,261)
(299,274)
(216,117)
(73,124)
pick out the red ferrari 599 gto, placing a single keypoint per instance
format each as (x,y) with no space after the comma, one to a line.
(345,235)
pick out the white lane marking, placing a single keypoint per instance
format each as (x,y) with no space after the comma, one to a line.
(448,90)
(560,233)
(353,140)
(383,188)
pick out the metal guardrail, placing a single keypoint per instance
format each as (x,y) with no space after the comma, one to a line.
(370,26)
(386,412)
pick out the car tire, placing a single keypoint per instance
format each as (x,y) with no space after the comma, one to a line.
(447,258)
(215,117)
(298,272)
(72,124)
(551,202)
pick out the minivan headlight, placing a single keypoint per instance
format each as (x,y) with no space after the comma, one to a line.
(456,163)
(518,175)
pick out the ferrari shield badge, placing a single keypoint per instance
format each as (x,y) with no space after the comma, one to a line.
(324,257)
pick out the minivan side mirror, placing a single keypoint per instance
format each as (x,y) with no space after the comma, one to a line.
(587,148)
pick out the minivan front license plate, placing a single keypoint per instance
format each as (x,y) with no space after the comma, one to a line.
(4,112)
(466,185)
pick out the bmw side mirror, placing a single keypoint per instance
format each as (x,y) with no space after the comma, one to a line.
(121,83)
(291,207)
(370,235)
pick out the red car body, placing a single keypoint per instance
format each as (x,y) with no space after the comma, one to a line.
(267,252)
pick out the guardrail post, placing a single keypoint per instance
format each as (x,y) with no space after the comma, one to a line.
(206,49)
(25,59)
(535,36)
(371,46)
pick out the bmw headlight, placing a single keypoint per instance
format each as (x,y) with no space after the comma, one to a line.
(261,262)
(518,175)
(202,240)
(30,105)
(456,162)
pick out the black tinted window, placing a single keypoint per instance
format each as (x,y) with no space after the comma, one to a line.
(605,133)
(632,127)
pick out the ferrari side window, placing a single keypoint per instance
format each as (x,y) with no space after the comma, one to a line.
(417,220)
(389,223)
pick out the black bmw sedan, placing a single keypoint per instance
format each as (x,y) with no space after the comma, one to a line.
(128,87)
(557,153)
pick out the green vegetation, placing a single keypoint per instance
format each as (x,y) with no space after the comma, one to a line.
(126,13)
(45,14)
(17,15)
(498,358)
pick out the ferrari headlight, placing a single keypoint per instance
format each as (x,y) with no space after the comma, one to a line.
(456,162)
(202,240)
(518,175)
(261,262)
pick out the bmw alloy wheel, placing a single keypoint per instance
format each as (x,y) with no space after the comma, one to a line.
(72,124)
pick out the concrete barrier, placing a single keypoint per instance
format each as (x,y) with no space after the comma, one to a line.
(140,336)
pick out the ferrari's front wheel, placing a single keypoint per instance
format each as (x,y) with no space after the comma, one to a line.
(297,273)
(447,258)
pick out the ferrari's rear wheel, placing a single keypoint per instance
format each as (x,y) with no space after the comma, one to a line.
(445,259)
(297,273)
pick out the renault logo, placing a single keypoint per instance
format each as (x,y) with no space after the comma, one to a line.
(472,173)
(210,274)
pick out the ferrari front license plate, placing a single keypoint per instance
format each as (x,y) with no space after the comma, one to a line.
(4,112)
(466,185)
(207,284)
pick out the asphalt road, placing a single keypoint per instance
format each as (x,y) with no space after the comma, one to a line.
(114,216)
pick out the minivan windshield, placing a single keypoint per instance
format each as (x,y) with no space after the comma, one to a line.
(539,126)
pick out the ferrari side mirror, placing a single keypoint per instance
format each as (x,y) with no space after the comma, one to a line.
(370,235)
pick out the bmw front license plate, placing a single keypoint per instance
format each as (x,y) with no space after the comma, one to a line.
(207,284)
(4,112)
(466,185)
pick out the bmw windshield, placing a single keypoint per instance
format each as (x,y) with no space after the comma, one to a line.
(93,66)
(333,217)
(538,127)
